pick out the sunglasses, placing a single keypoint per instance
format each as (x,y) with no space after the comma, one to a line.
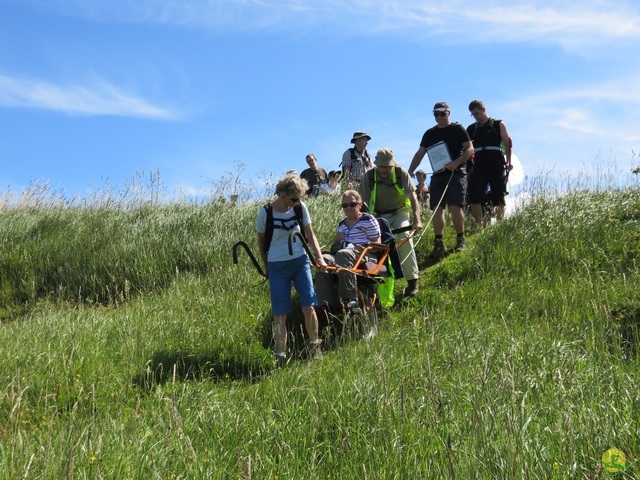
(439,114)
(294,200)
(350,204)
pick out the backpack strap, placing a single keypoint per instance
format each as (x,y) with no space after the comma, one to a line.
(373,186)
(494,125)
(268,232)
(366,158)
(270,223)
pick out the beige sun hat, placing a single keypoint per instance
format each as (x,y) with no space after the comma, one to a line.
(384,158)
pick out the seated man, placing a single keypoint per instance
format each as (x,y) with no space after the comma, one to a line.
(356,229)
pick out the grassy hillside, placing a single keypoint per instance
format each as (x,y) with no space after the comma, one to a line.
(134,348)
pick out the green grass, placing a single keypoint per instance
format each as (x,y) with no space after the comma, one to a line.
(134,348)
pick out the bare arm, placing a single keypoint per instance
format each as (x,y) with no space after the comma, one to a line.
(417,158)
(315,246)
(504,134)
(467,153)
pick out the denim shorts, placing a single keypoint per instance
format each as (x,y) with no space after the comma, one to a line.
(281,274)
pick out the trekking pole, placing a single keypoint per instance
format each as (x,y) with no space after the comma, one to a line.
(253,259)
(424,228)
(304,243)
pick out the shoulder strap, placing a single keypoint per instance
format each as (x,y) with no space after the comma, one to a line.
(396,183)
(268,232)
(371,174)
(494,124)
(367,158)
(297,209)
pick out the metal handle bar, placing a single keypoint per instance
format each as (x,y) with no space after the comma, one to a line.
(253,259)
(304,243)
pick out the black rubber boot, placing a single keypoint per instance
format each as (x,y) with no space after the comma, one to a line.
(412,288)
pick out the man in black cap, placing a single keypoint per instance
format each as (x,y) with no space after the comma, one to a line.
(449,184)
(356,160)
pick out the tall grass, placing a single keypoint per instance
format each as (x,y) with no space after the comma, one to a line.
(134,348)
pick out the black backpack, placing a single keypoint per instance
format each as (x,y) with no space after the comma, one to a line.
(494,125)
(271,224)
(354,158)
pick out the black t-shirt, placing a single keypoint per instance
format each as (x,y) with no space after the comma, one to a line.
(454,136)
(314,177)
(486,135)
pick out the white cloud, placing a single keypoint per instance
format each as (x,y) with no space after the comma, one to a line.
(100,98)
(598,110)
(570,23)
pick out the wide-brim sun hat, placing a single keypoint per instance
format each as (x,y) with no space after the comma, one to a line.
(357,135)
(384,158)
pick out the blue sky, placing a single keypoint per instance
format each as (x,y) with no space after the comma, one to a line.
(93,91)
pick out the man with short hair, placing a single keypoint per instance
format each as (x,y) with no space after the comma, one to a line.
(488,135)
(314,175)
(448,186)
(356,160)
(391,194)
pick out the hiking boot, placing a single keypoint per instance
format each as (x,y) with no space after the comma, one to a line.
(439,249)
(460,244)
(412,288)
(351,307)
(315,350)
(281,360)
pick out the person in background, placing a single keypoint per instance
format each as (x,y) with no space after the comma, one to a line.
(357,228)
(281,268)
(314,175)
(422,189)
(356,160)
(333,185)
(489,166)
(452,180)
(391,194)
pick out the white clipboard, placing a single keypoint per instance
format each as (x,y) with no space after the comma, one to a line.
(438,156)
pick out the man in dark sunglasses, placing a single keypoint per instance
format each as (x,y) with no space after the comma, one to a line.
(449,148)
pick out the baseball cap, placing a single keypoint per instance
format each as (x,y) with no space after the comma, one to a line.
(441,107)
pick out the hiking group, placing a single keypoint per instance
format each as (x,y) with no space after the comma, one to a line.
(468,166)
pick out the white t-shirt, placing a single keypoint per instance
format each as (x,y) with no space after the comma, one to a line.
(284,224)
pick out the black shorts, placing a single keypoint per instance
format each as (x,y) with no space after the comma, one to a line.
(455,191)
(491,174)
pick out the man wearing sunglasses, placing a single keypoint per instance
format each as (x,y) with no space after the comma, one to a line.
(448,185)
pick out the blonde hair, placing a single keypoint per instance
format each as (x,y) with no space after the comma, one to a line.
(353,193)
(291,185)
